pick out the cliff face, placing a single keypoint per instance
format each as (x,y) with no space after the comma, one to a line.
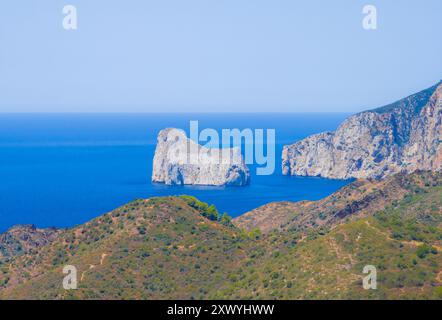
(401,137)
(180,161)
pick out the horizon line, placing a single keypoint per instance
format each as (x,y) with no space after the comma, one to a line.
(169,113)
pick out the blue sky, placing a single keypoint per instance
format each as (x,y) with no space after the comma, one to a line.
(215,55)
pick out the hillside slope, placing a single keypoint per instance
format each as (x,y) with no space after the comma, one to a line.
(148,249)
(358,199)
(181,248)
(403,241)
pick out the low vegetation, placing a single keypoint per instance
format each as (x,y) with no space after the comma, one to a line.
(182,248)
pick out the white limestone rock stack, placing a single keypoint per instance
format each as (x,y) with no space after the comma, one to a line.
(401,137)
(181,161)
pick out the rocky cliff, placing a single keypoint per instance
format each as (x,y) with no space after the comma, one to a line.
(181,161)
(401,137)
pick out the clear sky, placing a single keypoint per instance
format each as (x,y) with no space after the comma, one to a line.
(215,55)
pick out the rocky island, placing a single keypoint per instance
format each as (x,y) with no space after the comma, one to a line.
(181,161)
(404,136)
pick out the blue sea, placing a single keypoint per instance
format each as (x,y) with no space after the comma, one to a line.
(65,169)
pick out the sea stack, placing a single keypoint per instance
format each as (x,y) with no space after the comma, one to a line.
(404,136)
(181,161)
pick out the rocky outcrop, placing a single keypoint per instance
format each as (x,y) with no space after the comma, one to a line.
(23,239)
(181,161)
(401,137)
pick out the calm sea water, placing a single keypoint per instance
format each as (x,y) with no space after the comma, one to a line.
(62,170)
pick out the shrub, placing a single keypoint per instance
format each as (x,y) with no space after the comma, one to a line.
(423,250)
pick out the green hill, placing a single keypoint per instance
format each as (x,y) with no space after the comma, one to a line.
(181,248)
